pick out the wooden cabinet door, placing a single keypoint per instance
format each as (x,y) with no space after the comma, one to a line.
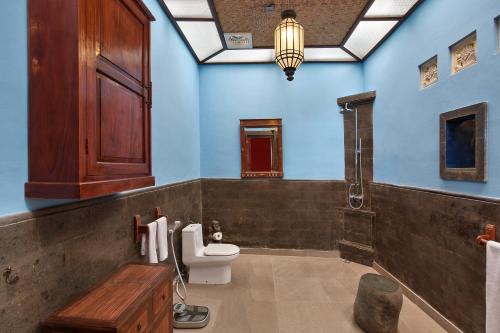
(164,325)
(118,117)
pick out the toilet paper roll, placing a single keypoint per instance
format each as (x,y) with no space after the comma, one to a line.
(217,236)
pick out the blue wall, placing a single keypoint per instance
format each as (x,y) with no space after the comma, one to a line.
(175,114)
(175,118)
(13,106)
(406,118)
(313,137)
(194,104)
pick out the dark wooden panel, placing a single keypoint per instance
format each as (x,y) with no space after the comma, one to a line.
(363,98)
(53,90)
(121,123)
(106,303)
(122,37)
(118,132)
(86,189)
(165,324)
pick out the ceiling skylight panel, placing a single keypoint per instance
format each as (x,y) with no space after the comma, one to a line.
(390,8)
(202,36)
(189,8)
(250,55)
(367,35)
(326,54)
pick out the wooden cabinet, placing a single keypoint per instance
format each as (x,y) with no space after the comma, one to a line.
(89,97)
(138,299)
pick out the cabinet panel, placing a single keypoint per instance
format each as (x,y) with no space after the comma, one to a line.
(140,324)
(118,130)
(161,299)
(121,123)
(164,325)
(122,37)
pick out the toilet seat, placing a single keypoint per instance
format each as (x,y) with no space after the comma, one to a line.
(215,249)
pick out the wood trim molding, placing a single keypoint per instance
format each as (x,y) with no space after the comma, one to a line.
(358,99)
(401,21)
(212,55)
(217,23)
(356,23)
(178,29)
(446,324)
(358,59)
(361,17)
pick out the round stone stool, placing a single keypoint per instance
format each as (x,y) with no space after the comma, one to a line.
(378,304)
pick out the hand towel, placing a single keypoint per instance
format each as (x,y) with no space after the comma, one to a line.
(152,256)
(144,239)
(162,238)
(492,287)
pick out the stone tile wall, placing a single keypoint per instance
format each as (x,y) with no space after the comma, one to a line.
(276,213)
(426,239)
(60,252)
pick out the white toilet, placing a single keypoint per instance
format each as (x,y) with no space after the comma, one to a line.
(210,264)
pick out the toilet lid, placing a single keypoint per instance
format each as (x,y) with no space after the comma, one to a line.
(221,250)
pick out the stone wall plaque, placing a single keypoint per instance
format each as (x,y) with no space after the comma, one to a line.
(464,53)
(429,72)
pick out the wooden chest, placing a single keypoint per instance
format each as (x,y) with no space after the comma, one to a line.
(137,299)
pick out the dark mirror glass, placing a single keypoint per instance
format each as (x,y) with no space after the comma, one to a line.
(461,142)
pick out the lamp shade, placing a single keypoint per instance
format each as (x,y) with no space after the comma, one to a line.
(289,44)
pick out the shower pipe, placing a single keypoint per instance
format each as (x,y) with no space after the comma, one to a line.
(358,158)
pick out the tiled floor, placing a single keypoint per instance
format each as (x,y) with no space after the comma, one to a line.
(292,294)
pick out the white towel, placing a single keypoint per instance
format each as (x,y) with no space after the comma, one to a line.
(152,256)
(162,238)
(144,239)
(492,287)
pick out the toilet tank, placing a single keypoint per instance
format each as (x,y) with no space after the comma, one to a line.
(192,241)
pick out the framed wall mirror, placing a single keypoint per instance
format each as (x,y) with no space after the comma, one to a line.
(261,148)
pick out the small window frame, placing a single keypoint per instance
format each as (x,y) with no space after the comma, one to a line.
(478,172)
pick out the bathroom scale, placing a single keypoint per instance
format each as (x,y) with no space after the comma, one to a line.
(190,316)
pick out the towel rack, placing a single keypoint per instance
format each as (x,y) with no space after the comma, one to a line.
(140,228)
(489,235)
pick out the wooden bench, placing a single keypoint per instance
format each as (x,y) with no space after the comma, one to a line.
(137,299)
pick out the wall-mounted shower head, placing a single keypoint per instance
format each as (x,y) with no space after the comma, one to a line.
(345,109)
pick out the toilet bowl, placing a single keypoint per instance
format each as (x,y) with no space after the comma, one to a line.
(207,264)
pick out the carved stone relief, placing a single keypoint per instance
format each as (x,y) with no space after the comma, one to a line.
(429,72)
(464,53)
